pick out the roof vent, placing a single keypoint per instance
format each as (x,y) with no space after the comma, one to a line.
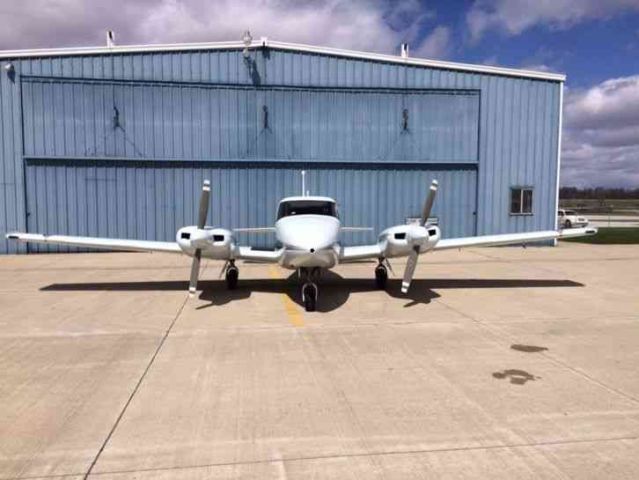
(404,50)
(110,39)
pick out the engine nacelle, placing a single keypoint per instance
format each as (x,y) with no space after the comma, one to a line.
(216,243)
(400,240)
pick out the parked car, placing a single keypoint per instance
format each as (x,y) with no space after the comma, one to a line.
(570,219)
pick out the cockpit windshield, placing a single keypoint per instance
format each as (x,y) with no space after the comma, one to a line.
(306,207)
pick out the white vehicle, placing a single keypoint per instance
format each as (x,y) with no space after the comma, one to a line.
(308,228)
(570,219)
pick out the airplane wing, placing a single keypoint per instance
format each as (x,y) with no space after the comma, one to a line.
(356,229)
(512,238)
(360,252)
(96,242)
(265,256)
(255,230)
(244,253)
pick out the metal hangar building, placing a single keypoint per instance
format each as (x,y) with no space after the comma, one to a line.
(115,141)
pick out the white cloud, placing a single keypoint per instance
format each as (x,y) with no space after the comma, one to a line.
(601,135)
(435,45)
(376,25)
(515,16)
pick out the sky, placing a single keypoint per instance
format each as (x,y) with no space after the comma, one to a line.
(594,42)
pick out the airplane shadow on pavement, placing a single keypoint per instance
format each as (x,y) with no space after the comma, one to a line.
(334,292)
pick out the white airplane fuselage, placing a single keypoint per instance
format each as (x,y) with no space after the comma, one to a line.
(308,241)
(310,236)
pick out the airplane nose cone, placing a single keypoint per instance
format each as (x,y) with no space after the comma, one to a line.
(317,240)
(311,233)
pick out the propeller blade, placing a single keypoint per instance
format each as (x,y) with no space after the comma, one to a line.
(204,204)
(410,269)
(428,204)
(195,272)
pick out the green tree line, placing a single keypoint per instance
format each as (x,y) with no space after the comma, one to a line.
(569,193)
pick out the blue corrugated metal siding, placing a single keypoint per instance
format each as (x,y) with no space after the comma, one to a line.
(152,200)
(514,122)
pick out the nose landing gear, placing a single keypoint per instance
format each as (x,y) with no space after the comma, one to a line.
(310,292)
(232,274)
(381,275)
(309,296)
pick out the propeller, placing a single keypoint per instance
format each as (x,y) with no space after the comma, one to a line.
(201,221)
(411,264)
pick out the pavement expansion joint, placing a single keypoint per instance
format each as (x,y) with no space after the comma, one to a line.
(137,387)
(368,454)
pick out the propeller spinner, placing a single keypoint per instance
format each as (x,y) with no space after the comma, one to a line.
(411,264)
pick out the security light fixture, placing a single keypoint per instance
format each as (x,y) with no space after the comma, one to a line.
(10,70)
(247,40)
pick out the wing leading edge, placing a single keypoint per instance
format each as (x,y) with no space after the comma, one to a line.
(512,238)
(96,242)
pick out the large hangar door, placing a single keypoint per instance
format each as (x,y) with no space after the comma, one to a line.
(75,119)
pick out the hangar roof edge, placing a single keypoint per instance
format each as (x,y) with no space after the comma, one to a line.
(177,47)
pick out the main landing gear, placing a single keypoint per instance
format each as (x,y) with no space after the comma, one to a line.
(232,273)
(310,291)
(381,275)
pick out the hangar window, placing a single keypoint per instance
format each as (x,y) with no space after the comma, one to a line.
(521,200)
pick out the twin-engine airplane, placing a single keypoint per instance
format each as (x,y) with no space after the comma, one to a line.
(308,230)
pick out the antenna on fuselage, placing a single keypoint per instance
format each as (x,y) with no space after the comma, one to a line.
(304,193)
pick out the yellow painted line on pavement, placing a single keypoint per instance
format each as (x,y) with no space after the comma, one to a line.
(292,310)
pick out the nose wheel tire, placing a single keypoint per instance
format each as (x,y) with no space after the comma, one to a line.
(381,276)
(309,296)
(232,274)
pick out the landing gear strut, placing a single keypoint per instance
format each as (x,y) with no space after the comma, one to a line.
(310,291)
(232,273)
(381,275)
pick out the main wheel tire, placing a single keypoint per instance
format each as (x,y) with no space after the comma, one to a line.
(381,276)
(309,298)
(568,224)
(232,274)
